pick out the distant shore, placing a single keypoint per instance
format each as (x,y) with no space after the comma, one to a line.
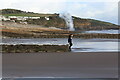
(16,30)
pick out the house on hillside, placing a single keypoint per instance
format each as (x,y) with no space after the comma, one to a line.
(23,18)
(5,18)
(47,18)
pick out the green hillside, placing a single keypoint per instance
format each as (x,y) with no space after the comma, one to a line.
(14,12)
(56,21)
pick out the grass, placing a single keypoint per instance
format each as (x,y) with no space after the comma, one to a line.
(30,15)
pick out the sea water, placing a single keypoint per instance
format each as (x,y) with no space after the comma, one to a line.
(104,31)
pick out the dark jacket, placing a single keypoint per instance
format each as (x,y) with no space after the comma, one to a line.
(70,41)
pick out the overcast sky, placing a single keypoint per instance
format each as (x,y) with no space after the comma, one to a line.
(105,10)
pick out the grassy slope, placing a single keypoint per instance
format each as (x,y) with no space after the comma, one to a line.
(30,15)
(101,23)
(14,12)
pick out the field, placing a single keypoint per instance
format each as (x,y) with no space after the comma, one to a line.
(30,15)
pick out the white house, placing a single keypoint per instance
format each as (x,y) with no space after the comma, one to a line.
(35,17)
(47,18)
(4,18)
(18,18)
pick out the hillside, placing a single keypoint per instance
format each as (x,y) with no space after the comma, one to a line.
(14,12)
(56,21)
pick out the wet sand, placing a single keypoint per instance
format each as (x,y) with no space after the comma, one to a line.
(75,65)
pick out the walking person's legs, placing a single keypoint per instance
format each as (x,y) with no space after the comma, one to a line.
(70,44)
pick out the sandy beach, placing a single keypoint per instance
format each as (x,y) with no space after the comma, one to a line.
(75,65)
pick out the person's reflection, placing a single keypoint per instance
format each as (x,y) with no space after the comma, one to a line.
(70,41)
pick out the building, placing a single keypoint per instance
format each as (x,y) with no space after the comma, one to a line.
(23,18)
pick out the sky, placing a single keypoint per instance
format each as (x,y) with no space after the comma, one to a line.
(104,10)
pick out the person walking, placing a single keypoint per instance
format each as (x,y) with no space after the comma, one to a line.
(70,41)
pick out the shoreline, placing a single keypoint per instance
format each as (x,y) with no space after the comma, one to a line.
(58,45)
